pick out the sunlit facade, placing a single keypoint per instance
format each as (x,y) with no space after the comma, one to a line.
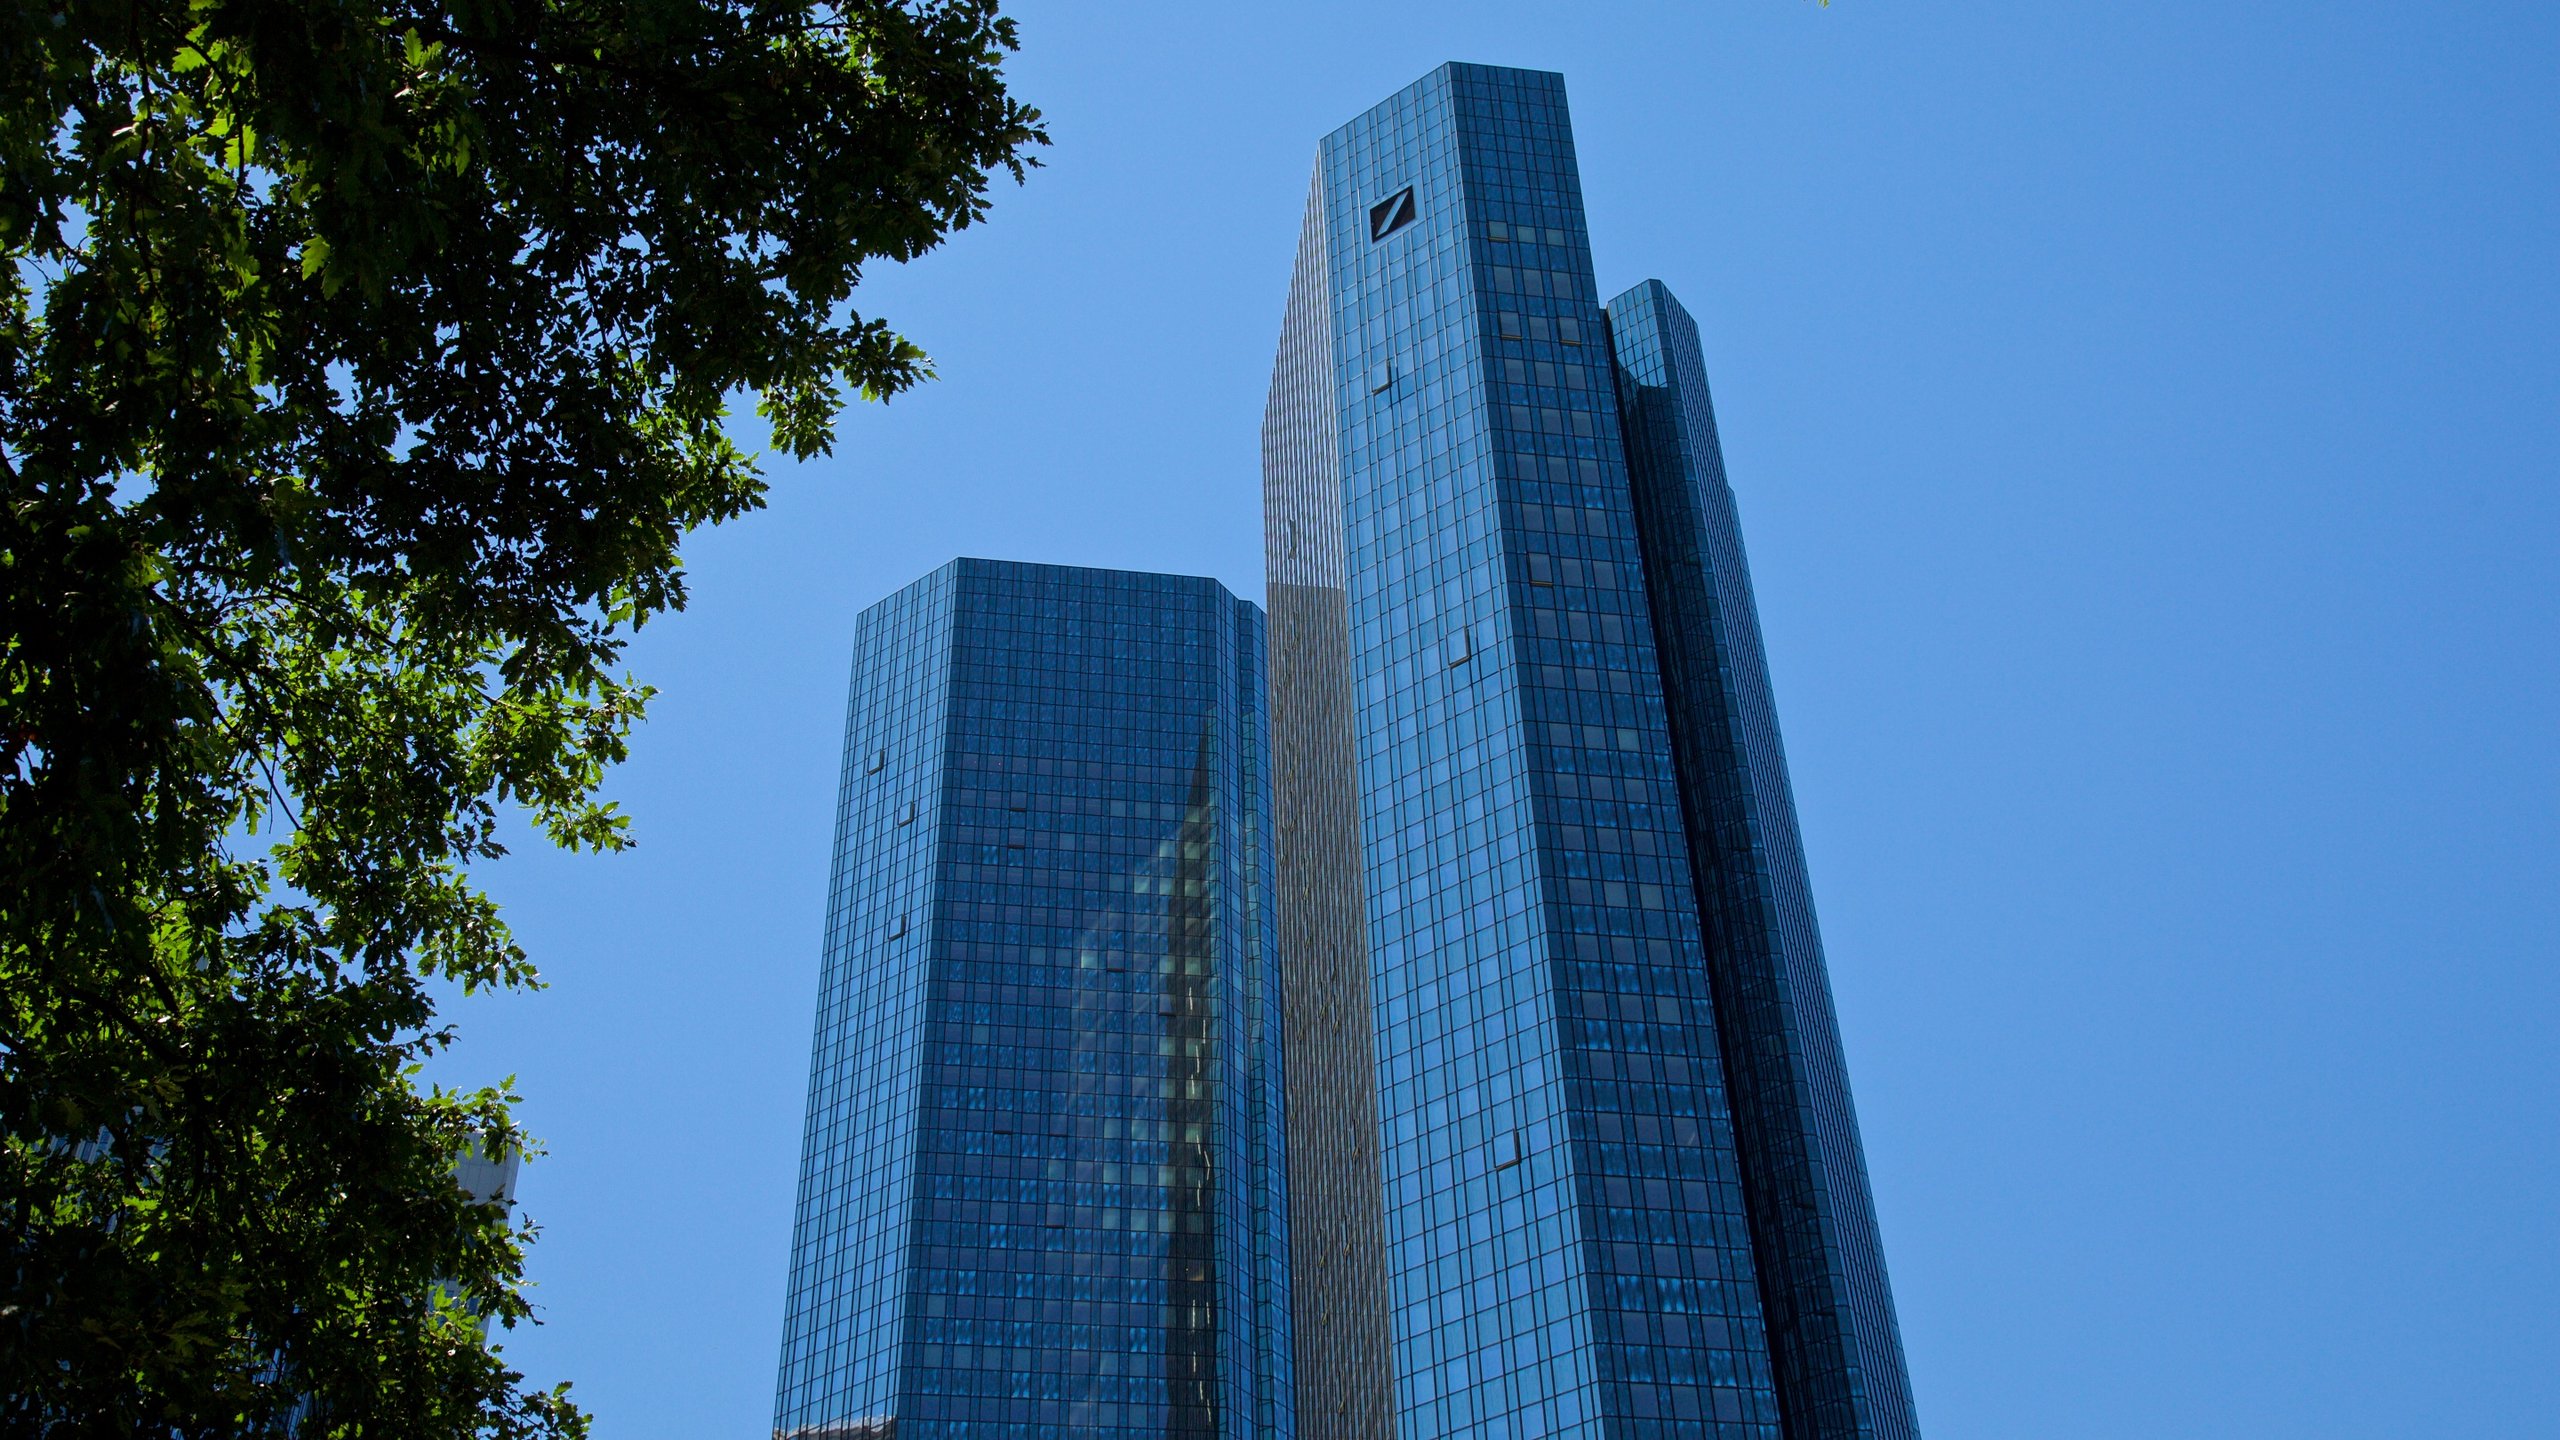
(1571,1146)
(1041,1185)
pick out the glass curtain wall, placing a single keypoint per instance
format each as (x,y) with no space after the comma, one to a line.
(1494,736)
(1042,1188)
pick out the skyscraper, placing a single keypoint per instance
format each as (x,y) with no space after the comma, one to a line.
(1041,1184)
(1571,1145)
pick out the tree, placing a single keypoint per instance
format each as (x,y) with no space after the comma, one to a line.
(362,363)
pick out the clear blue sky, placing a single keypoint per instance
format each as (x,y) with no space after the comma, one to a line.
(2145,422)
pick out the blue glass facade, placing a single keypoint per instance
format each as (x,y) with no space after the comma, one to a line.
(1483,714)
(1837,1345)
(1042,1191)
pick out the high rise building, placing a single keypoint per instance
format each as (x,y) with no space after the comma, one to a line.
(1571,1145)
(1041,1187)
(489,1180)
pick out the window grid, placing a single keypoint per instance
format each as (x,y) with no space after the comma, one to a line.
(1042,1185)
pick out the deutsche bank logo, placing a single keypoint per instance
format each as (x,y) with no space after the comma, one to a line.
(1391,214)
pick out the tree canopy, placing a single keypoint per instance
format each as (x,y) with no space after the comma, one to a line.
(362,365)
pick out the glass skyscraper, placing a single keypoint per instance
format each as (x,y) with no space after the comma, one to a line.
(1571,1145)
(1041,1187)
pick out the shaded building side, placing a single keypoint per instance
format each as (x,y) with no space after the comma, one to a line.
(1338,1230)
(1833,1334)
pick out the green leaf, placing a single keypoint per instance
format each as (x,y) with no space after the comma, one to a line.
(368,368)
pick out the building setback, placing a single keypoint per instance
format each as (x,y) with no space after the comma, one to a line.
(1041,1184)
(1571,1144)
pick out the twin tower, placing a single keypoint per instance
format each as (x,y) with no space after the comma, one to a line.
(1400,1020)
